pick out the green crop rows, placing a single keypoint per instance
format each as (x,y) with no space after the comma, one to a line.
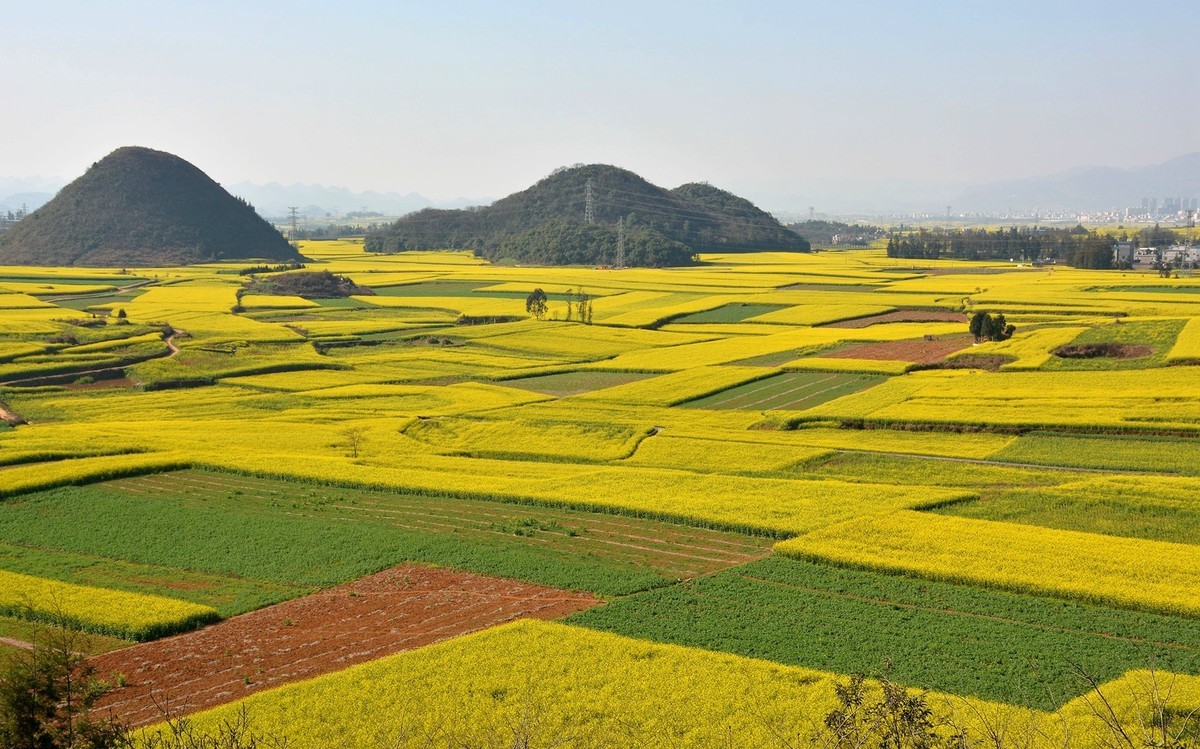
(969,641)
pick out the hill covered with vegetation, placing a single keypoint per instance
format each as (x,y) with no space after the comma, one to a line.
(319,284)
(822,233)
(547,223)
(140,207)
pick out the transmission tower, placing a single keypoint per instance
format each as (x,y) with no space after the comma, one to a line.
(812,213)
(589,205)
(621,243)
(292,213)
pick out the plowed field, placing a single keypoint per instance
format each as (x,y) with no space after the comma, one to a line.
(398,609)
(918,350)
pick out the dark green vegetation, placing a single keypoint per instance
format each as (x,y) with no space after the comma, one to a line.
(1078,247)
(547,224)
(48,692)
(1122,345)
(987,327)
(730,313)
(236,543)
(837,234)
(319,284)
(139,207)
(789,391)
(968,641)
(574,383)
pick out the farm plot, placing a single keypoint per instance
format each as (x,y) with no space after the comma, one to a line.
(902,315)
(398,609)
(966,640)
(792,391)
(919,351)
(730,313)
(262,531)
(575,383)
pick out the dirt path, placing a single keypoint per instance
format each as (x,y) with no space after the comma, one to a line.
(9,416)
(97,294)
(13,643)
(172,350)
(398,609)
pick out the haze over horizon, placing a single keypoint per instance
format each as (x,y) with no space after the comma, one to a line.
(785,104)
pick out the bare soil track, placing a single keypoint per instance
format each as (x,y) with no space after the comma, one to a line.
(398,609)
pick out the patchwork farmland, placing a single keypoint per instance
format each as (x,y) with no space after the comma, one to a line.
(733,486)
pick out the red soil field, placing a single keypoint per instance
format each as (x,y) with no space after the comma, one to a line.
(398,609)
(901,315)
(914,350)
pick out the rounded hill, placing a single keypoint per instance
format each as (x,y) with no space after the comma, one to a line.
(141,207)
(548,223)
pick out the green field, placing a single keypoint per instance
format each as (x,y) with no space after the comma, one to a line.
(1125,511)
(574,383)
(1157,335)
(730,313)
(1162,455)
(237,543)
(965,640)
(792,391)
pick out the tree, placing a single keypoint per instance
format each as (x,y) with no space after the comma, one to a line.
(582,304)
(535,303)
(987,328)
(892,718)
(47,695)
(355,437)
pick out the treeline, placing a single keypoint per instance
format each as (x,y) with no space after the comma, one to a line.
(1077,247)
(337,231)
(837,234)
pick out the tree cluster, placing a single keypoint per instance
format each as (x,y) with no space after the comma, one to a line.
(1077,246)
(822,233)
(987,327)
(319,284)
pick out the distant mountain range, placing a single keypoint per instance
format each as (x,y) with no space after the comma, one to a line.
(1088,189)
(1076,190)
(270,200)
(274,200)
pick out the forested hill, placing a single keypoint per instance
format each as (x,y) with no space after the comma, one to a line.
(140,207)
(546,223)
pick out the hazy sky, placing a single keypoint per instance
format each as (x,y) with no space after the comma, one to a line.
(773,100)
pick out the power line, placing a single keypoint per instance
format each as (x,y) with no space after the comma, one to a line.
(621,242)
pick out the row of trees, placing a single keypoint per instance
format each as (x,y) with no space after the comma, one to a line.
(1077,247)
(579,305)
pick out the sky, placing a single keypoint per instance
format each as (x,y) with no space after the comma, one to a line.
(785,103)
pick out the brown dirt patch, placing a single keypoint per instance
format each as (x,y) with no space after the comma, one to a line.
(978,361)
(901,315)
(1103,351)
(913,350)
(398,609)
